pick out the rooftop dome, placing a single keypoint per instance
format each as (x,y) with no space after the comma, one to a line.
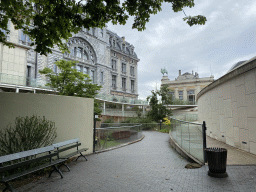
(238,64)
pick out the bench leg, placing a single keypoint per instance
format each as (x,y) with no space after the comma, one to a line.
(7,187)
(56,169)
(65,166)
(81,155)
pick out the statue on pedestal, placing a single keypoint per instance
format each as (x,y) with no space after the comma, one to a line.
(163,71)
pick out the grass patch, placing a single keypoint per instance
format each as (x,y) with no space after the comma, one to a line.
(108,144)
(164,130)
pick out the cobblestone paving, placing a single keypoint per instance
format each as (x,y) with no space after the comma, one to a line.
(148,165)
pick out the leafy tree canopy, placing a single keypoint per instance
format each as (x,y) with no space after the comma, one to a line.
(159,109)
(70,82)
(51,22)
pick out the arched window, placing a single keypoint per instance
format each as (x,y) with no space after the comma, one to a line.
(79,52)
(73,51)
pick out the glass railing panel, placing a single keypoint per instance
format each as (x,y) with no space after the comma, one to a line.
(185,136)
(188,136)
(196,141)
(113,134)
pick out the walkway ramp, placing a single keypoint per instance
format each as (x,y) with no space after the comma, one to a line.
(235,156)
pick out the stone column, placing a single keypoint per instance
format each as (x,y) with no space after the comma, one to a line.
(176,93)
(122,109)
(185,97)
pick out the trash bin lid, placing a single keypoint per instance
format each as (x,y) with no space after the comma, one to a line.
(215,149)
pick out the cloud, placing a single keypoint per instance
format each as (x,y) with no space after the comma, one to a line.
(228,36)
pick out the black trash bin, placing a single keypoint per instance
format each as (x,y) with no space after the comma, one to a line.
(217,162)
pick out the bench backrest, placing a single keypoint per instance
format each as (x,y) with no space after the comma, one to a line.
(61,144)
(23,154)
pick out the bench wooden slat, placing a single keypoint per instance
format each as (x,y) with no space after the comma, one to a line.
(26,162)
(23,154)
(32,170)
(74,153)
(61,144)
(69,147)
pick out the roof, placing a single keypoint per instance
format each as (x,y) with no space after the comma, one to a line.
(238,64)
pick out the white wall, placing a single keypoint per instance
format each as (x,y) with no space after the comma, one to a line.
(228,106)
(73,116)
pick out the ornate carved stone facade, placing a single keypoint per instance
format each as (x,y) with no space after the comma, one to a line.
(107,58)
(186,86)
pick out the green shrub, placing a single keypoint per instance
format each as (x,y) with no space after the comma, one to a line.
(110,120)
(28,133)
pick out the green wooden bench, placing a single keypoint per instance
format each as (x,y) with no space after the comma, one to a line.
(25,159)
(67,145)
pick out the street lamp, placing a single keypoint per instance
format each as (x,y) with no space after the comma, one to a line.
(160,123)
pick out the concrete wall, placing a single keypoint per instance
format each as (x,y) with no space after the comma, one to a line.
(228,106)
(73,116)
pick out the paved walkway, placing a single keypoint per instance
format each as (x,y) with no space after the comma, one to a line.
(234,156)
(148,165)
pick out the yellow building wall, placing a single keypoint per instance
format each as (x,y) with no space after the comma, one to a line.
(73,116)
(13,61)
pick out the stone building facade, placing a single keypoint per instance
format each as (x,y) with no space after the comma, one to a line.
(107,58)
(186,86)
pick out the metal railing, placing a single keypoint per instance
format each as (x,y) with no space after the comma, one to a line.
(22,81)
(113,112)
(37,83)
(187,117)
(189,136)
(120,99)
(113,134)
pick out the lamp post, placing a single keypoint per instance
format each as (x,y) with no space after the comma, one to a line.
(160,123)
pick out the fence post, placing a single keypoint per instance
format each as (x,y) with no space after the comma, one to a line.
(94,131)
(204,141)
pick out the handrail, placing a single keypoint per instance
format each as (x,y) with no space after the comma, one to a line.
(187,121)
(119,127)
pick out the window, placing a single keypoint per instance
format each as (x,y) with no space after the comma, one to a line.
(28,76)
(101,77)
(79,52)
(132,85)
(79,68)
(5,32)
(124,84)
(132,71)
(123,68)
(73,51)
(123,47)
(191,96)
(191,92)
(180,95)
(101,32)
(24,39)
(171,93)
(85,70)
(93,31)
(114,43)
(114,65)
(113,81)
(55,68)
(92,76)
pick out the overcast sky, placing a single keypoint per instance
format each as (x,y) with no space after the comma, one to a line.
(229,36)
